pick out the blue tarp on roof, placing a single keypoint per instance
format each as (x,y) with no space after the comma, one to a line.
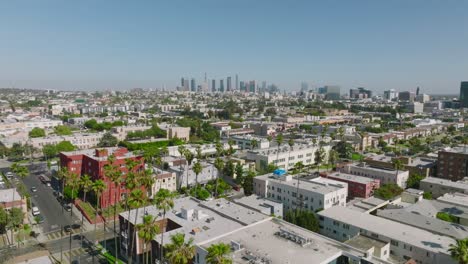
(279,172)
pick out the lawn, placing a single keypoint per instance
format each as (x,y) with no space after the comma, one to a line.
(356,156)
(88,209)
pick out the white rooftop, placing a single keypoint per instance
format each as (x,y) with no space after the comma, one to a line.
(309,185)
(393,230)
(9,195)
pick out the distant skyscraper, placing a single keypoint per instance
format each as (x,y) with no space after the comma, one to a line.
(237,83)
(464,94)
(186,85)
(228,84)
(360,93)
(252,86)
(417,91)
(332,92)
(243,87)
(182,82)
(406,96)
(390,94)
(213,85)
(221,86)
(193,85)
(264,86)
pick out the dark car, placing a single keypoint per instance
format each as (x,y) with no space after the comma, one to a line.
(39,219)
(67,228)
(67,207)
(33,189)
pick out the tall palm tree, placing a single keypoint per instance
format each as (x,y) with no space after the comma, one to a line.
(73,182)
(179,251)
(132,182)
(279,141)
(231,149)
(136,200)
(459,251)
(189,157)
(113,173)
(98,187)
(146,231)
(397,165)
(332,157)
(86,185)
(299,166)
(197,169)
(219,254)
(164,201)
(219,165)
(181,150)
(291,144)
(319,156)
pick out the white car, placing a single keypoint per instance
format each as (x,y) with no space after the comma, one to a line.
(35,211)
(9,175)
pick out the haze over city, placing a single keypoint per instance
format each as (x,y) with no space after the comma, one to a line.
(115,45)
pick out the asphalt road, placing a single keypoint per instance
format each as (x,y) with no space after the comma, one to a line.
(48,205)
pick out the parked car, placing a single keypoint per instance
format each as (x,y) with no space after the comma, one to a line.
(33,189)
(39,219)
(35,211)
(67,207)
(9,175)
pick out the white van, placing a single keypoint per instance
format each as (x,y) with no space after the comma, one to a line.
(35,211)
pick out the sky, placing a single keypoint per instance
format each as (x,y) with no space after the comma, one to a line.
(114,45)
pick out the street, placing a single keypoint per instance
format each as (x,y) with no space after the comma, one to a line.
(48,205)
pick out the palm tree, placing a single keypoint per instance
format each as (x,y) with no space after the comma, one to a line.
(219,254)
(279,141)
(219,149)
(98,187)
(299,166)
(219,165)
(199,152)
(254,144)
(164,201)
(181,150)
(179,251)
(397,165)
(291,144)
(113,173)
(231,149)
(146,231)
(86,185)
(197,169)
(132,182)
(189,157)
(319,156)
(332,157)
(269,138)
(459,251)
(73,182)
(136,200)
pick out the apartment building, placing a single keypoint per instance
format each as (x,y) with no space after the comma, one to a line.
(163,180)
(358,186)
(452,164)
(384,175)
(313,195)
(245,142)
(438,187)
(121,132)
(286,156)
(398,242)
(10,198)
(415,165)
(80,140)
(186,177)
(92,162)
(253,237)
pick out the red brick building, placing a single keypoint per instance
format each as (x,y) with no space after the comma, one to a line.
(92,162)
(358,186)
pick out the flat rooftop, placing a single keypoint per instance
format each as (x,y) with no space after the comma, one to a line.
(461,185)
(215,218)
(9,195)
(91,153)
(393,230)
(262,241)
(350,177)
(308,185)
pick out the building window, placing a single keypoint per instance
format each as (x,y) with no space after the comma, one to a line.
(394,243)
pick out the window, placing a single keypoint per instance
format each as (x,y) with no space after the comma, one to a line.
(394,243)
(374,235)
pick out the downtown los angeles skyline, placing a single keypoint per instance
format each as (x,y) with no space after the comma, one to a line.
(121,45)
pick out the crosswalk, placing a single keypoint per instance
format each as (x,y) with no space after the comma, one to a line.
(56,234)
(73,254)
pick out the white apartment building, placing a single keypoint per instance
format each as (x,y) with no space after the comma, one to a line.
(285,157)
(121,132)
(245,142)
(404,242)
(80,140)
(187,177)
(438,186)
(385,175)
(163,180)
(314,194)
(206,149)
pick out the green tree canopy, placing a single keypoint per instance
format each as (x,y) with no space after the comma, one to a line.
(65,146)
(108,140)
(37,132)
(62,130)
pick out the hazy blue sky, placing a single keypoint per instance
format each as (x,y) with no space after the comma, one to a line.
(114,44)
